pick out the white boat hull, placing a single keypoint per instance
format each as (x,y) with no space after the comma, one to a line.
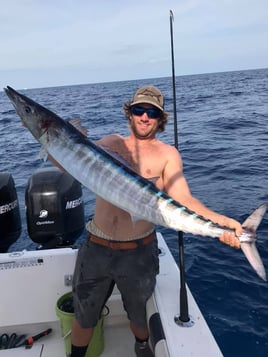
(33,281)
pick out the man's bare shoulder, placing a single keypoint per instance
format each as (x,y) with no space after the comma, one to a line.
(110,139)
(168,149)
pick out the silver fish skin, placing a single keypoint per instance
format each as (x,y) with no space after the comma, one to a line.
(110,179)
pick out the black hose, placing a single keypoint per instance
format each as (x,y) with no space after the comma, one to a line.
(11,341)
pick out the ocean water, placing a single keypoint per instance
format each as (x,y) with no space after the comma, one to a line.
(223,137)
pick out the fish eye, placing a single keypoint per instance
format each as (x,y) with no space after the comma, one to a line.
(27,109)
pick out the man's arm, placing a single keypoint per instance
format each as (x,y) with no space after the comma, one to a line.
(177,187)
(55,163)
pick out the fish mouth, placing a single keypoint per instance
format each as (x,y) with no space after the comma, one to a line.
(10,92)
(13,95)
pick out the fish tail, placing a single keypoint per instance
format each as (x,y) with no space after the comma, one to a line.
(248,247)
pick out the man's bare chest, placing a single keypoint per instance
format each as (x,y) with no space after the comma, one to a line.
(146,160)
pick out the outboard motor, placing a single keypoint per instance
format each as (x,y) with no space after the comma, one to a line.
(54,208)
(10,221)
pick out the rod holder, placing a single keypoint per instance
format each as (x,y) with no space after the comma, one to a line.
(179,322)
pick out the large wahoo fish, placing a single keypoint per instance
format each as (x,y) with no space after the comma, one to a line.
(110,179)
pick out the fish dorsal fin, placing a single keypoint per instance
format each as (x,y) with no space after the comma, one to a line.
(153,179)
(76,123)
(253,221)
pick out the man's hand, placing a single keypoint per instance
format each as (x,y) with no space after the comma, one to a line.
(230,238)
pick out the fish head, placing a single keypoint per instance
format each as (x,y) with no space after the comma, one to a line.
(36,118)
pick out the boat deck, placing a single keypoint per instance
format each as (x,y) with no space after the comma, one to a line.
(117,338)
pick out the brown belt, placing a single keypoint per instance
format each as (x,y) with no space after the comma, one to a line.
(133,244)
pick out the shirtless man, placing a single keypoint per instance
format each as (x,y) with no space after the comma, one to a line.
(118,250)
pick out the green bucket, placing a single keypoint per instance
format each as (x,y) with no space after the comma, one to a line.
(96,344)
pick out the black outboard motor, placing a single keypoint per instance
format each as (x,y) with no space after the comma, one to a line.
(54,208)
(10,221)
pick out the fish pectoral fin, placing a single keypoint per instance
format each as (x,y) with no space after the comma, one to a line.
(43,154)
(253,221)
(252,255)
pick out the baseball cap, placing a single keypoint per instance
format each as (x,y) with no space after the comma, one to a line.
(150,95)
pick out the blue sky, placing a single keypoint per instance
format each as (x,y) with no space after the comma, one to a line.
(64,42)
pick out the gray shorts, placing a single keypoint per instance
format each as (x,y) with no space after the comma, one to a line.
(98,268)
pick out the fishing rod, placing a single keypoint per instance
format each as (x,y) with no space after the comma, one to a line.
(171,19)
(182,319)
